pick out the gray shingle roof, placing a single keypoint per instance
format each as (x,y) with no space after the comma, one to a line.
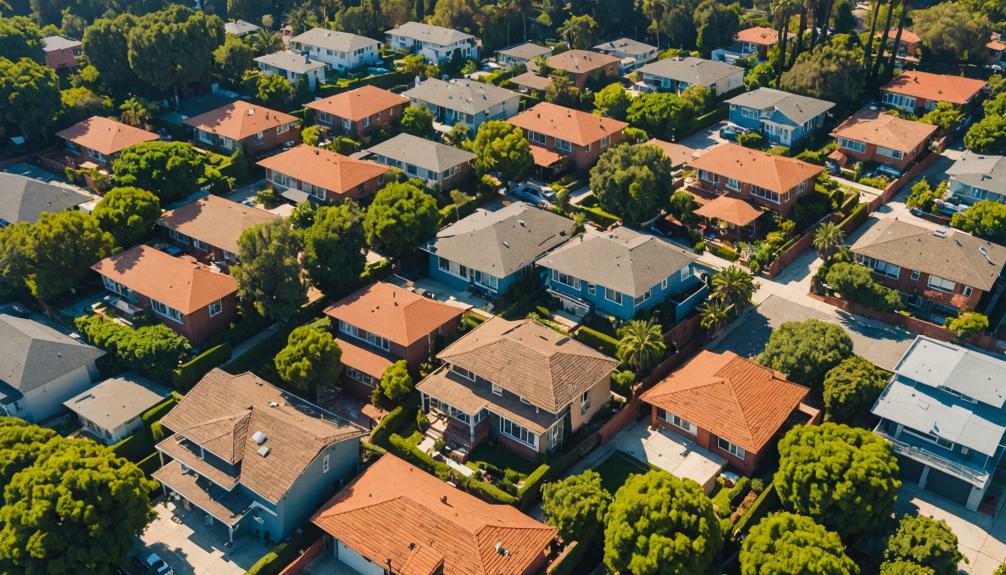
(291,61)
(24,199)
(981,171)
(691,70)
(332,40)
(53,43)
(526,51)
(240,28)
(625,46)
(466,96)
(422,152)
(428,33)
(797,108)
(116,401)
(34,354)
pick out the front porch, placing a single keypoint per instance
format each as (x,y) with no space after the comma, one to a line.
(193,491)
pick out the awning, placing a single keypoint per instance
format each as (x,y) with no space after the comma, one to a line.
(545,158)
(227,506)
(295,195)
(731,210)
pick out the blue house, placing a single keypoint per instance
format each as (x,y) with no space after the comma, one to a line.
(491,251)
(622,272)
(784,118)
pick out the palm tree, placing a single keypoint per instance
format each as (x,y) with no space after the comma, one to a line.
(641,345)
(807,6)
(827,239)
(714,314)
(136,112)
(868,53)
(883,39)
(781,11)
(889,70)
(266,42)
(734,285)
(654,10)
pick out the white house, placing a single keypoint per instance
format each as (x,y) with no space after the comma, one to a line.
(293,66)
(436,43)
(113,409)
(340,51)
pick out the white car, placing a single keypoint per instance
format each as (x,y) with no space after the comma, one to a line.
(535,193)
(157,565)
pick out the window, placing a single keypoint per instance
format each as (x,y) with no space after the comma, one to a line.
(941,284)
(613,296)
(364,378)
(200,245)
(524,401)
(890,153)
(463,372)
(765,194)
(565,279)
(967,291)
(362,334)
(366,122)
(168,312)
(750,113)
(324,463)
(259,137)
(730,448)
(663,283)
(898,100)
(229,256)
(563,145)
(605,141)
(591,288)
(707,176)
(283,128)
(216,307)
(886,269)
(444,264)
(852,145)
(537,138)
(180,238)
(680,423)
(585,402)
(642,298)
(733,184)
(518,433)
(915,276)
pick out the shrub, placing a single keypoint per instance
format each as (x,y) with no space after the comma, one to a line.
(597,340)
(530,491)
(876,182)
(190,372)
(751,140)
(700,246)
(725,252)
(390,423)
(968,323)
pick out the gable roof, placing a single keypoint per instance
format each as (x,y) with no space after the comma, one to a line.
(503,241)
(240,27)
(468,96)
(53,43)
(360,103)
(907,36)
(626,46)
(290,61)
(883,129)
(335,41)
(955,256)
(982,171)
(678,154)
(179,283)
(428,33)
(939,87)
(35,354)
(217,221)
(526,51)
(731,210)
(730,396)
(239,120)
(691,70)
(547,368)
(115,401)
(580,61)
(105,135)
(401,517)
(580,128)
(394,313)
(797,108)
(324,168)
(422,152)
(24,199)
(760,35)
(768,171)
(531,81)
(622,260)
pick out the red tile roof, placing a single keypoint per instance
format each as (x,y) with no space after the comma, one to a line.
(768,171)
(907,36)
(731,210)
(239,120)
(544,157)
(323,168)
(938,87)
(758,35)
(215,221)
(883,129)
(580,128)
(678,154)
(360,103)
(393,313)
(105,135)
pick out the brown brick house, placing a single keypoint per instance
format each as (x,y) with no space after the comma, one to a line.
(562,136)
(874,136)
(62,52)
(256,129)
(212,226)
(100,140)
(359,111)
(918,92)
(322,175)
(583,66)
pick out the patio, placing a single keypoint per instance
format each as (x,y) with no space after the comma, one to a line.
(441,292)
(670,452)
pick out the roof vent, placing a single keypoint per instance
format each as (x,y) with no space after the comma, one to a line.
(251,111)
(940,233)
(443,499)
(502,550)
(273,404)
(264,451)
(522,223)
(985,252)
(259,437)
(506,244)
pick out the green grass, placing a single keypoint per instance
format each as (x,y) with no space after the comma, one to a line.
(616,469)
(502,458)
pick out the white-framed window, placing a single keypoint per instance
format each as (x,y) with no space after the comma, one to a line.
(642,298)
(563,145)
(591,288)
(496,389)
(890,153)
(605,141)
(522,400)
(750,113)
(537,138)
(967,291)
(680,423)
(364,378)
(200,245)
(730,448)
(708,177)
(364,335)
(168,312)
(887,269)
(179,237)
(282,128)
(733,184)
(115,287)
(765,194)
(613,296)
(852,145)
(584,402)
(216,307)
(663,283)
(916,275)
(941,284)
(259,137)
(470,376)
(518,433)
(898,100)
(565,279)
(325,463)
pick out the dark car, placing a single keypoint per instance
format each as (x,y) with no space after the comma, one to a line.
(730,132)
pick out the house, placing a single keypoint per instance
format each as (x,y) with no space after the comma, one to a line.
(24,199)
(319,175)
(785,119)
(909,49)
(775,182)
(396,518)
(583,66)
(680,156)
(296,67)
(677,74)
(942,412)
(562,137)
(520,382)
(941,272)
(441,166)
(755,41)
(240,28)
(873,136)
(40,368)
(382,323)
(492,250)
(190,298)
(100,140)
(255,129)
(62,52)
(435,43)
(621,273)
(995,49)
(340,51)
(740,217)
(729,405)
(463,101)
(113,409)
(631,53)
(918,92)
(521,54)
(977,177)
(359,111)
(212,226)
(532,83)
(252,456)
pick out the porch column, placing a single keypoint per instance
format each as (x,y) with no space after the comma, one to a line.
(230,534)
(471,428)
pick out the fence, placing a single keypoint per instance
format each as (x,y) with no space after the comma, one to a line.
(310,554)
(796,248)
(892,188)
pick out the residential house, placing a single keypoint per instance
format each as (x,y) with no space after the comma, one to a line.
(435,43)
(492,250)
(255,129)
(942,412)
(583,66)
(680,156)
(463,101)
(940,272)
(188,297)
(977,177)
(252,456)
(729,405)
(113,409)
(100,140)
(909,49)
(873,136)
(61,52)
(995,49)
(531,83)
(296,67)
(562,137)
(359,111)
(382,323)
(441,166)
(40,368)
(340,51)
(521,54)
(677,74)
(211,226)
(785,119)
(307,173)
(24,199)
(755,41)
(396,518)
(631,53)
(918,92)
(775,182)
(622,273)
(240,28)
(520,382)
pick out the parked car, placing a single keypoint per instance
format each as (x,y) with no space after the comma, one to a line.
(156,566)
(535,193)
(731,131)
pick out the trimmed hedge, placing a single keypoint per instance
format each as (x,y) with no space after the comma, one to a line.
(190,372)
(135,447)
(530,491)
(599,216)
(725,252)
(597,340)
(375,271)
(766,503)
(283,554)
(149,464)
(570,559)
(394,421)
(158,411)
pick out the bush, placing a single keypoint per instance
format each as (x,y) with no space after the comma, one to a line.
(597,340)
(968,323)
(700,246)
(390,423)
(810,209)
(622,382)
(766,503)
(281,555)
(811,157)
(135,447)
(149,465)
(600,217)
(725,252)
(530,491)
(190,372)
(739,491)
(154,350)
(751,140)
(876,182)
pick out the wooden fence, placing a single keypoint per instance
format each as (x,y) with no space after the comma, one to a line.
(309,555)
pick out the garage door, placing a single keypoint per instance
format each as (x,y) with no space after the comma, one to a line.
(356,561)
(909,470)
(946,485)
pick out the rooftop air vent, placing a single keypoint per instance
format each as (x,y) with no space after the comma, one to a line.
(264,451)
(259,437)
(502,550)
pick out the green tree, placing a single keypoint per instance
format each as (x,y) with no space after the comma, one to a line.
(714,314)
(128,214)
(29,96)
(231,60)
(21,38)
(170,170)
(806,350)
(456,14)
(106,47)
(944,116)
(501,147)
(843,17)
(250,10)
(81,103)
(987,136)
(908,568)
(21,444)
(641,345)
(658,524)
(855,283)
(828,237)
(311,359)
(561,91)
(457,136)
(950,32)
(682,206)
(850,390)
(612,101)
(269,274)
(986,219)
(154,350)
(995,106)
(576,505)
(843,477)
(136,112)
(400,217)
(63,247)
(829,72)
(715,24)
(311,135)
(417,121)
(923,197)
(661,114)
(395,383)
(632,180)
(788,544)
(580,32)
(172,49)
(733,285)
(334,248)
(968,323)
(412,65)
(273,90)
(925,541)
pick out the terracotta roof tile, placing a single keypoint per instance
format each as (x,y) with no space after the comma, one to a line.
(907,36)
(323,168)
(939,87)
(731,210)
(768,171)
(882,129)
(364,359)
(215,220)
(758,35)
(105,135)
(567,124)
(393,313)
(580,61)
(239,120)
(360,103)
(678,154)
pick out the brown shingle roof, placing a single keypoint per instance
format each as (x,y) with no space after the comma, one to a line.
(579,61)
(323,168)
(758,35)
(939,87)
(215,220)
(729,396)
(178,283)
(105,135)
(239,120)
(678,154)
(768,171)
(532,81)
(401,517)
(882,129)
(360,103)
(393,313)
(567,124)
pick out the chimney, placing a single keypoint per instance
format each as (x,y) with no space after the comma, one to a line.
(443,499)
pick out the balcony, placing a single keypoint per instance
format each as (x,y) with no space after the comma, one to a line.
(976,469)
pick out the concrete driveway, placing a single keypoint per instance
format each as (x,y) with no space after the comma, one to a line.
(704,139)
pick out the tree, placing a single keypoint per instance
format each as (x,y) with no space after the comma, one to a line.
(925,541)
(995,106)
(250,10)
(457,136)
(231,60)
(311,135)
(170,170)
(682,206)
(413,65)
(81,103)
(580,32)
(641,345)
(501,147)
(400,217)
(395,383)
(661,114)
(855,283)
(787,544)
(456,14)
(987,136)
(136,112)
(632,180)
(923,197)
(334,248)
(310,359)
(266,42)
(844,19)
(106,47)
(715,24)
(944,116)
(153,350)
(612,101)
(61,248)
(29,96)
(733,285)
(950,32)
(173,48)
(561,91)
(829,72)
(274,91)
(908,568)
(269,275)
(850,390)
(828,237)
(714,314)
(417,121)
(658,524)
(985,218)
(845,478)
(968,323)
(576,506)
(806,350)
(21,443)
(21,38)
(128,214)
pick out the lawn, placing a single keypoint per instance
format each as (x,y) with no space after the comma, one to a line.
(616,469)
(501,457)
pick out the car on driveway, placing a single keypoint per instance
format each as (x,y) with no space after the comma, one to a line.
(732,131)
(154,565)
(535,193)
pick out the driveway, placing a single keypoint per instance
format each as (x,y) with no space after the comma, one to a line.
(704,139)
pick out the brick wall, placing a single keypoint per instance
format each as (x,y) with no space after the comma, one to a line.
(310,554)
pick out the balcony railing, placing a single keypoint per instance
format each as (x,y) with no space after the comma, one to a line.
(923,455)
